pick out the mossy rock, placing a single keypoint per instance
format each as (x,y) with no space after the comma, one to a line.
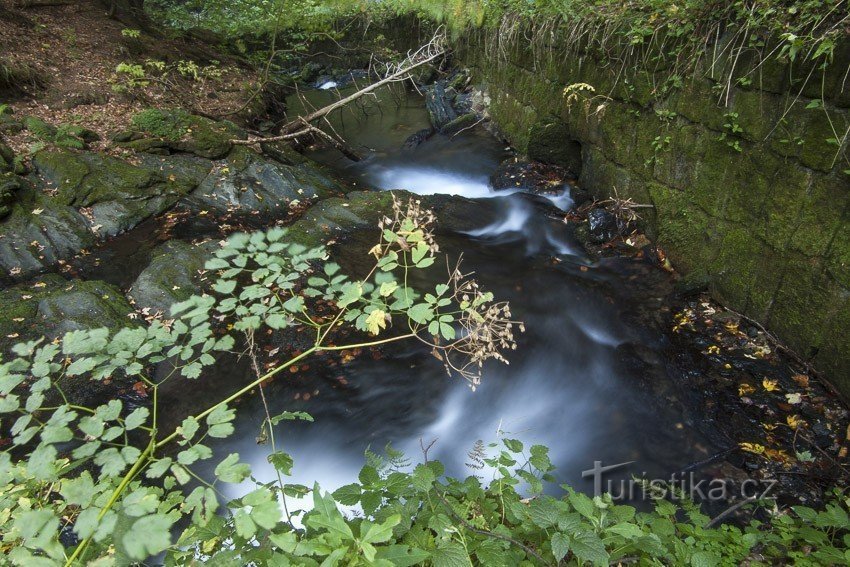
(19,307)
(184,132)
(172,276)
(9,186)
(463,122)
(83,305)
(120,194)
(7,158)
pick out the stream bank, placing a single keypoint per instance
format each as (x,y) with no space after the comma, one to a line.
(751,198)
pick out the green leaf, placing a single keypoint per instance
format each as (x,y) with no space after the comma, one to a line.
(348,495)
(450,555)
(351,292)
(705,559)
(379,533)
(588,547)
(423,478)
(231,470)
(78,491)
(560,545)
(148,536)
(282,462)
(421,313)
(137,418)
(325,515)
(402,555)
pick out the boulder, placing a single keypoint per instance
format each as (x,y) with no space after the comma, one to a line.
(7,158)
(119,195)
(173,275)
(462,122)
(83,305)
(247,182)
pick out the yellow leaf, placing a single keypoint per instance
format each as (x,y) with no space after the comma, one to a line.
(752,448)
(376,321)
(745,390)
(770,385)
(794,421)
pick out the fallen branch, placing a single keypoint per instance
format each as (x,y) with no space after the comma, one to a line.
(307,130)
(400,72)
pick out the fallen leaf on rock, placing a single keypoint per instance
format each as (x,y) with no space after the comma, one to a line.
(794,398)
(795,421)
(745,390)
(770,385)
(752,448)
(801,379)
(37,211)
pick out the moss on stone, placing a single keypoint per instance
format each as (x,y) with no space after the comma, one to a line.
(184,132)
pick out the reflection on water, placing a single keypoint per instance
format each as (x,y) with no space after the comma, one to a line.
(569,386)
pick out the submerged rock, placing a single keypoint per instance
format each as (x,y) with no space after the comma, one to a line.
(173,275)
(417,138)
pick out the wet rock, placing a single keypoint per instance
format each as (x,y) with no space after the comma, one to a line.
(39,232)
(172,276)
(534,177)
(460,123)
(602,226)
(550,142)
(179,131)
(417,138)
(83,305)
(118,195)
(360,211)
(439,106)
(247,182)
(580,196)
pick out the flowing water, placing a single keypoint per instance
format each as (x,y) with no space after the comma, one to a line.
(590,378)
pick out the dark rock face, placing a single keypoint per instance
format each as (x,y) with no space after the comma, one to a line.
(9,185)
(249,182)
(603,226)
(534,177)
(171,277)
(439,106)
(550,142)
(39,232)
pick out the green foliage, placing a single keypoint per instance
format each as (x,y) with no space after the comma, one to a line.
(170,125)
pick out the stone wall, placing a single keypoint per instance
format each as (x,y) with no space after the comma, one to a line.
(765,228)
